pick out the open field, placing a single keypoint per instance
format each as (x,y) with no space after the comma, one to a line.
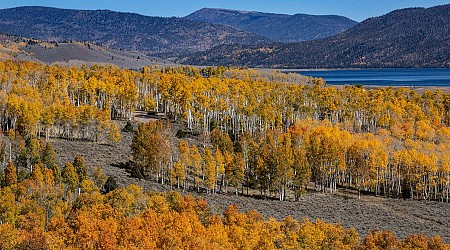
(403,217)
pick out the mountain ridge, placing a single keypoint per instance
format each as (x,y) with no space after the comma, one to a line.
(278,27)
(119,30)
(412,37)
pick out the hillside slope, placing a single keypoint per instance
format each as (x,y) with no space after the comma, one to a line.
(71,53)
(152,35)
(278,27)
(415,37)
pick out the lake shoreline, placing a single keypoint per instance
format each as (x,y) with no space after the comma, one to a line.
(419,89)
(405,77)
(338,69)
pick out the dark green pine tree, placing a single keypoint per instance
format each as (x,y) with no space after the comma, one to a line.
(49,160)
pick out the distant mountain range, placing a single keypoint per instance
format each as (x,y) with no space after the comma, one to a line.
(415,37)
(151,35)
(167,37)
(277,27)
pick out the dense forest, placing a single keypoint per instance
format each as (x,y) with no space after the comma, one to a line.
(258,130)
(41,212)
(407,38)
(236,129)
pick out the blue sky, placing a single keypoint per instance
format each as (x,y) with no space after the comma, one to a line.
(354,9)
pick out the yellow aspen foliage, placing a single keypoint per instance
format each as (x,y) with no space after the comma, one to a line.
(8,207)
(114,133)
(270,132)
(380,240)
(151,149)
(136,233)
(10,237)
(210,169)
(234,172)
(99,177)
(220,166)
(177,173)
(424,131)
(10,174)
(37,174)
(148,103)
(289,228)
(320,235)
(49,178)
(180,169)
(217,234)
(196,165)
(402,131)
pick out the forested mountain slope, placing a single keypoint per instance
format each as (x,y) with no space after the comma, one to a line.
(415,37)
(278,27)
(152,35)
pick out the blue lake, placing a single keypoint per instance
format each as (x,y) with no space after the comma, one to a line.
(383,77)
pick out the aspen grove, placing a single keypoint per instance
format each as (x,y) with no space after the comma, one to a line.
(268,131)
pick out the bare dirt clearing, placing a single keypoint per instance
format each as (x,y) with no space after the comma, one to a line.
(400,216)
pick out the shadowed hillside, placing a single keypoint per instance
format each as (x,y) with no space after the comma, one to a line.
(278,27)
(415,37)
(152,35)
